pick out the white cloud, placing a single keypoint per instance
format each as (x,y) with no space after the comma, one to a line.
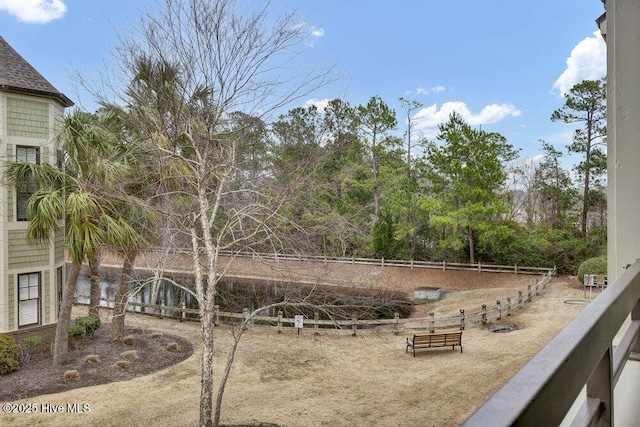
(316,32)
(313,34)
(422,91)
(532,162)
(320,104)
(428,118)
(588,61)
(34,11)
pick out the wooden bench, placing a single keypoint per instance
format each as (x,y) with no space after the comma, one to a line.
(438,339)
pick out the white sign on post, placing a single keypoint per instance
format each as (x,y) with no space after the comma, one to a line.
(298,320)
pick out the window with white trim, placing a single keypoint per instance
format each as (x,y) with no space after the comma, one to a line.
(28,299)
(25,189)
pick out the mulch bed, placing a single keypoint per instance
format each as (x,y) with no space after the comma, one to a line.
(38,376)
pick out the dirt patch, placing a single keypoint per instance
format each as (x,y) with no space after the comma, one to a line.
(95,360)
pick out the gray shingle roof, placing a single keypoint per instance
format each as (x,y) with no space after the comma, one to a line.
(17,75)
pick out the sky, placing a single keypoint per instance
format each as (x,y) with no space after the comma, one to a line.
(504,65)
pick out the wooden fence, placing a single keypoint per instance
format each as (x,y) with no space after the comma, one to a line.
(438,265)
(431,323)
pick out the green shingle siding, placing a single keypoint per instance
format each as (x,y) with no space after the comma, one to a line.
(59,253)
(27,118)
(23,254)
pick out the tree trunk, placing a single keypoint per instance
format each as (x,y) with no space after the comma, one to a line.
(206,366)
(61,345)
(587,176)
(227,370)
(155,291)
(94,270)
(122,297)
(472,257)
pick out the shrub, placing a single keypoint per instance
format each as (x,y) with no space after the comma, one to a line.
(76,333)
(156,335)
(173,346)
(89,323)
(92,358)
(597,265)
(25,346)
(129,354)
(122,364)
(8,354)
(71,375)
(129,340)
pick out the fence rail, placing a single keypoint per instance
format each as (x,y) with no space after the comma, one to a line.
(396,325)
(436,265)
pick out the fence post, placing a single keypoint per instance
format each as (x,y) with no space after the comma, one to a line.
(183,307)
(528,293)
(479,267)
(520,298)
(432,322)
(354,325)
(484,314)
(396,325)
(411,263)
(538,288)
(217,318)
(508,306)
(462,317)
(316,317)
(499,307)
(245,317)
(161,309)
(444,266)
(279,321)
(515,269)
(382,262)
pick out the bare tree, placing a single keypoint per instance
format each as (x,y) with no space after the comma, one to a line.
(195,63)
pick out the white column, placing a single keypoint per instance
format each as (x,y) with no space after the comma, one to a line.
(623,129)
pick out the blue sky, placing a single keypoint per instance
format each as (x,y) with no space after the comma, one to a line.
(502,64)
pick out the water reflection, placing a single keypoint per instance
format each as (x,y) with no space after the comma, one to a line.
(167,293)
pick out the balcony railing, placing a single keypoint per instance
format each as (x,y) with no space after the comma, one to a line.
(544,390)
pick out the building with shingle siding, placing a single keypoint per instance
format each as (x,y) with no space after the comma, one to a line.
(31,275)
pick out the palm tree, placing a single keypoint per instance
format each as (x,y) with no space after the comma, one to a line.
(80,196)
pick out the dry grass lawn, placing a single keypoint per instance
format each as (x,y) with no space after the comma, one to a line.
(330,379)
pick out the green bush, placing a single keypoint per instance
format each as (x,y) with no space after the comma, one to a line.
(89,323)
(597,265)
(77,333)
(8,354)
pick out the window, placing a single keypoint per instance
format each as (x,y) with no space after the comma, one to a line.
(27,188)
(28,299)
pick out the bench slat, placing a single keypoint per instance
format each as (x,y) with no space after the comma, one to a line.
(433,340)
